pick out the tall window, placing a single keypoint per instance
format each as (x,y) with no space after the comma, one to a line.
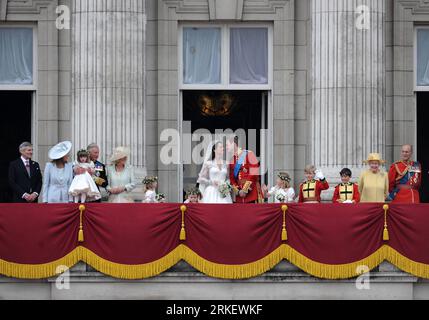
(226,56)
(422,59)
(249,55)
(16,56)
(201,55)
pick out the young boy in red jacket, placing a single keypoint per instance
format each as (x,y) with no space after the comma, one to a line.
(310,190)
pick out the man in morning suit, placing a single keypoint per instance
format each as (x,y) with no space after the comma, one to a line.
(25,177)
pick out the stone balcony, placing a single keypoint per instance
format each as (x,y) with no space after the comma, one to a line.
(285,281)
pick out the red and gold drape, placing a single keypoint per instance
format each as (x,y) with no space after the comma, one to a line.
(135,241)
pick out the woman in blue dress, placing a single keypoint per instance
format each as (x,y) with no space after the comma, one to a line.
(58,175)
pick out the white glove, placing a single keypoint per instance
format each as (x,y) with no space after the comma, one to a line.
(319,175)
(348,201)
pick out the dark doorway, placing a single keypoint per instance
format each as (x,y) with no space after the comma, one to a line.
(15,127)
(423,141)
(214,110)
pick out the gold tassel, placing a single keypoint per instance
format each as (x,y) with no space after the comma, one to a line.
(183,231)
(80,237)
(284,232)
(385,234)
(385,231)
(183,234)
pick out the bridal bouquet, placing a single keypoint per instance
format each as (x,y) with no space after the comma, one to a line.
(160,197)
(280,195)
(225,189)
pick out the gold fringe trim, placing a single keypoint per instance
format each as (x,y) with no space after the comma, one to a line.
(334,271)
(39,271)
(222,271)
(417,269)
(132,272)
(116,270)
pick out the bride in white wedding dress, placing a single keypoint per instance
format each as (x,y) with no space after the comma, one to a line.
(213,174)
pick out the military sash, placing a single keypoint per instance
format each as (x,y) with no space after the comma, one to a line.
(239,163)
(405,177)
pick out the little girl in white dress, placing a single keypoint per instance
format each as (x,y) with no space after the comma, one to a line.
(281,192)
(193,195)
(150,184)
(83,185)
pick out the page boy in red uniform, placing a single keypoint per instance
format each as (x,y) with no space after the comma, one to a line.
(346,191)
(310,190)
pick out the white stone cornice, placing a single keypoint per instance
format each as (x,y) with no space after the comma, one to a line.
(235,10)
(188,6)
(416,6)
(263,6)
(226,9)
(29,6)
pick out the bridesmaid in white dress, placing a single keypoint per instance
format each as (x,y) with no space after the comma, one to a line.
(83,185)
(282,192)
(213,174)
(150,184)
(120,177)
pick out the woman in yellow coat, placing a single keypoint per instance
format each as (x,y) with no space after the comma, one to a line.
(373,182)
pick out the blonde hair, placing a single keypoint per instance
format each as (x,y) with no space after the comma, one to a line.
(285,178)
(310,169)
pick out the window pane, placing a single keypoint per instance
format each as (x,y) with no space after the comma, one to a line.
(249,56)
(16,56)
(423,57)
(201,55)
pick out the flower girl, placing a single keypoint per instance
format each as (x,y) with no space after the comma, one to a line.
(150,185)
(83,185)
(282,191)
(193,195)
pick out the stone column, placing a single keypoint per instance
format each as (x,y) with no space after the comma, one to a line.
(108,76)
(348,89)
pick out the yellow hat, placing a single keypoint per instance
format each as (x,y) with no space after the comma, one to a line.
(374,157)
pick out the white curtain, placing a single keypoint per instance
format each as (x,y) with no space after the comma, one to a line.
(16,56)
(201,55)
(423,57)
(249,56)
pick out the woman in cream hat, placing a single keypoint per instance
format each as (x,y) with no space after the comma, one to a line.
(120,177)
(58,174)
(373,182)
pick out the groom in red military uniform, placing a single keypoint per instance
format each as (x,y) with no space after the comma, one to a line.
(244,174)
(405,178)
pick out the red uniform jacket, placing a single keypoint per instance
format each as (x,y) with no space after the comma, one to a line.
(311,190)
(350,192)
(404,182)
(248,175)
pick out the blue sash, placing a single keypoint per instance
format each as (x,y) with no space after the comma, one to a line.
(240,161)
